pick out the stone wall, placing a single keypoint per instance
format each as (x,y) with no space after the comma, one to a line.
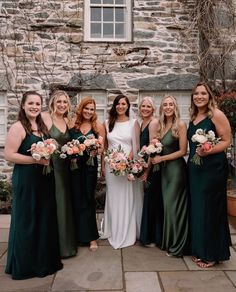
(42,46)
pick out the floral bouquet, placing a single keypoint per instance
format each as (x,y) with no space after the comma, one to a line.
(206,141)
(153,149)
(72,149)
(92,144)
(137,167)
(118,161)
(44,149)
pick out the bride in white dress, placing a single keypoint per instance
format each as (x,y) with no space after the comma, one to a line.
(123,207)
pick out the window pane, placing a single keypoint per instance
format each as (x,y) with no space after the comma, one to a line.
(107,1)
(120,30)
(95,1)
(108,14)
(119,1)
(95,30)
(95,14)
(119,12)
(108,30)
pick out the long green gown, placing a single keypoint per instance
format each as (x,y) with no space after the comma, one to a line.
(152,214)
(33,248)
(63,191)
(84,180)
(175,199)
(210,234)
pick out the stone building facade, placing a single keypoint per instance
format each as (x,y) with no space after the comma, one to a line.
(50,44)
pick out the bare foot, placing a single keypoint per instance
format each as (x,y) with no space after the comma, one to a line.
(205,264)
(93,245)
(196,259)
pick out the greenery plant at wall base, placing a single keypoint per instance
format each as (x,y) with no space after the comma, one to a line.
(5,197)
(227,103)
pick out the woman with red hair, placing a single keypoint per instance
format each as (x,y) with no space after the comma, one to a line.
(84,177)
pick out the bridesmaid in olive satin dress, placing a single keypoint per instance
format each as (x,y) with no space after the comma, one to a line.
(152,214)
(210,236)
(33,247)
(56,120)
(84,178)
(172,133)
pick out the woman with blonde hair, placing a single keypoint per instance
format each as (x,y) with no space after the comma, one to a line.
(172,132)
(210,236)
(57,120)
(84,178)
(152,212)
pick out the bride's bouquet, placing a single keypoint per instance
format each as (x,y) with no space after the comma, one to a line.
(154,148)
(72,149)
(206,141)
(92,144)
(44,149)
(118,161)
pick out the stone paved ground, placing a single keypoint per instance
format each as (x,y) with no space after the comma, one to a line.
(132,269)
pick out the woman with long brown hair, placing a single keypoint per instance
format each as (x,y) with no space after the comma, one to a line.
(84,178)
(33,248)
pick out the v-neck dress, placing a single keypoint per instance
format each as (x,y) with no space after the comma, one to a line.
(33,247)
(175,199)
(210,234)
(63,191)
(84,180)
(152,214)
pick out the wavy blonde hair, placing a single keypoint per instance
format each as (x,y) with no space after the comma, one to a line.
(54,97)
(79,114)
(152,103)
(162,118)
(193,110)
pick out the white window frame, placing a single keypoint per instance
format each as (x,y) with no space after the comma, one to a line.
(87,22)
(3,106)
(95,94)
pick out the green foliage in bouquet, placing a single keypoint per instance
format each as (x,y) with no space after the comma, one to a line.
(5,191)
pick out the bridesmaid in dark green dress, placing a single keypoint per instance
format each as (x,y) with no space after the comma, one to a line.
(152,214)
(172,133)
(210,234)
(33,248)
(56,121)
(84,178)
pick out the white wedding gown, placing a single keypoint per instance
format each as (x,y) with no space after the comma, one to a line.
(124,199)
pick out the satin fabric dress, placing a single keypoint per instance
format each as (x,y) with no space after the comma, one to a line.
(210,234)
(121,207)
(63,192)
(84,180)
(175,199)
(33,247)
(152,215)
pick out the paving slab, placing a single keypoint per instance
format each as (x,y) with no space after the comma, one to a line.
(142,282)
(100,270)
(202,281)
(32,285)
(224,266)
(3,259)
(144,259)
(3,248)
(232,276)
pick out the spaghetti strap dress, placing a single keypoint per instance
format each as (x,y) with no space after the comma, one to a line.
(210,234)
(152,214)
(63,192)
(84,180)
(33,247)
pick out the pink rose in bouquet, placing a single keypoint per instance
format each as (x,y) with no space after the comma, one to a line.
(137,167)
(44,149)
(206,141)
(72,149)
(93,145)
